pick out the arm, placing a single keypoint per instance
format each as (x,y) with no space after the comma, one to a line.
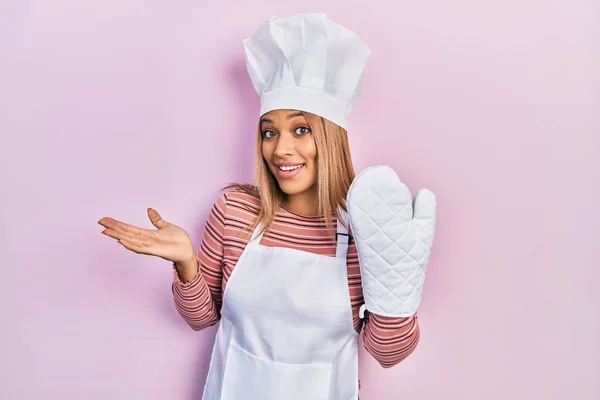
(390,340)
(394,239)
(197,287)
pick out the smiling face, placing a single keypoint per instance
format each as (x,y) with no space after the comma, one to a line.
(289,150)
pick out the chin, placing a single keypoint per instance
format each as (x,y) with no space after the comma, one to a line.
(293,188)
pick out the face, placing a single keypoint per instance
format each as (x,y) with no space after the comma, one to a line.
(289,150)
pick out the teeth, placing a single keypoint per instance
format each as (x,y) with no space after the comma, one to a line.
(291,168)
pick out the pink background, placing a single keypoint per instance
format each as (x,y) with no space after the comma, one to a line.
(110,107)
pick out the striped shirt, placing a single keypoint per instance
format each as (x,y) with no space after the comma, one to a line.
(227,232)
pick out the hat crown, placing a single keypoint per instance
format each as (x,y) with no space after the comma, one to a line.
(306,62)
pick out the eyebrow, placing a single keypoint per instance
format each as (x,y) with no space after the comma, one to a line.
(270,121)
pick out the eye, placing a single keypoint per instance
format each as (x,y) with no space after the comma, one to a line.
(268,134)
(302,130)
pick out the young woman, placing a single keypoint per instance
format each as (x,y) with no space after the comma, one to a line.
(277,265)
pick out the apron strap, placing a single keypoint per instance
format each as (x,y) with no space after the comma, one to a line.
(342,237)
(256,236)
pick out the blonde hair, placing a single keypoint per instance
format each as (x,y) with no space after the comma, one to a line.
(335,173)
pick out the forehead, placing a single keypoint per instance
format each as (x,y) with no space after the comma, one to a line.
(278,116)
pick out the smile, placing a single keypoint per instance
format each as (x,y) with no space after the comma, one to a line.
(290,167)
(288,171)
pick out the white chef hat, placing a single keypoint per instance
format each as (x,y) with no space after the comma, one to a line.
(306,62)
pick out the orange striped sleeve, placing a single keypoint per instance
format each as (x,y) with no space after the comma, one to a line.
(388,340)
(199,300)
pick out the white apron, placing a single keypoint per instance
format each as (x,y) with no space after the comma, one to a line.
(286,330)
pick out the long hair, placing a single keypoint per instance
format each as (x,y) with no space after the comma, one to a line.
(335,173)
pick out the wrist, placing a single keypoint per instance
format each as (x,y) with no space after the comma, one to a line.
(187,270)
(190,261)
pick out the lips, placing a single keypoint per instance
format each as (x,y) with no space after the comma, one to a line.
(289,171)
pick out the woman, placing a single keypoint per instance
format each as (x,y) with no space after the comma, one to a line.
(277,265)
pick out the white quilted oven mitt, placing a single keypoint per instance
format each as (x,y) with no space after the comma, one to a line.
(393,237)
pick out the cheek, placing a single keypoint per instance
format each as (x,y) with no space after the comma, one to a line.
(313,161)
(267,150)
(309,152)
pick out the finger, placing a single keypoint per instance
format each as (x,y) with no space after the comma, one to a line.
(137,246)
(424,206)
(112,223)
(120,226)
(156,219)
(107,222)
(130,245)
(116,234)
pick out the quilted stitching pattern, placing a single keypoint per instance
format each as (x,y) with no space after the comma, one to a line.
(393,237)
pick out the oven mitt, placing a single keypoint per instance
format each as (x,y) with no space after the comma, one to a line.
(393,237)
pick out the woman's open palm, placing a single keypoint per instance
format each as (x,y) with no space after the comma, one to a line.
(169,241)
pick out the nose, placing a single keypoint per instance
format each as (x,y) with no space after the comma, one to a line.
(284,146)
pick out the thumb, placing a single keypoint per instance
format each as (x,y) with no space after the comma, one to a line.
(156,219)
(424,207)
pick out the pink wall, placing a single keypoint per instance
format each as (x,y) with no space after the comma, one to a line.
(110,107)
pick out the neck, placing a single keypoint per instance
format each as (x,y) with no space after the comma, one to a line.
(305,203)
